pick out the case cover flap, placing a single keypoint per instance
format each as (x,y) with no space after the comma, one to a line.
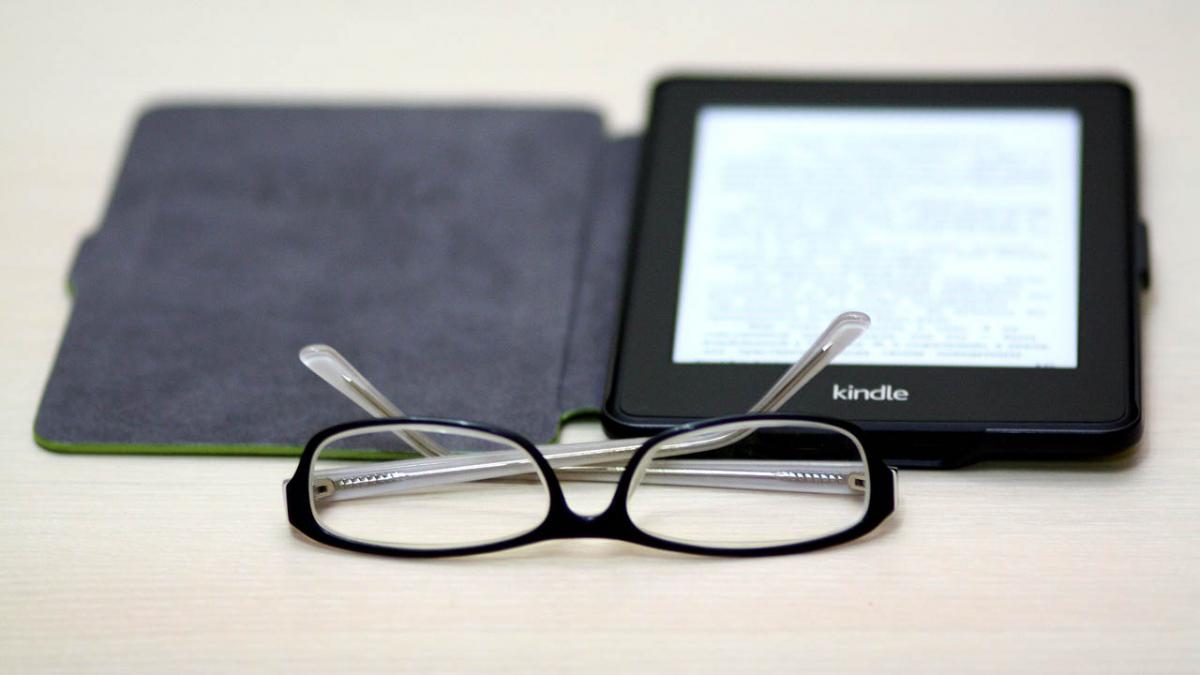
(467,260)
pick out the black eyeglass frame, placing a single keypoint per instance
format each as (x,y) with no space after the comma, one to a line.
(561,522)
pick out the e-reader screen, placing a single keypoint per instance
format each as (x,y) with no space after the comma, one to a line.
(956,229)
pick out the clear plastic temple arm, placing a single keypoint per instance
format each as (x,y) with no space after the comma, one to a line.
(749,474)
(337,371)
(779,475)
(575,459)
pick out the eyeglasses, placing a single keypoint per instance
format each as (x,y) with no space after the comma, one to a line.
(751,485)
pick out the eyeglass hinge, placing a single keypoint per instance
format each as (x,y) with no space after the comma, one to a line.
(857,481)
(323,488)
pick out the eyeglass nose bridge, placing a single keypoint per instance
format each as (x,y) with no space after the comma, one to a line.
(565,523)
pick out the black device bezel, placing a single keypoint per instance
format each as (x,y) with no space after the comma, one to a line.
(954,415)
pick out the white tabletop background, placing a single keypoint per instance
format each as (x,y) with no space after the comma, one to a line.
(159,564)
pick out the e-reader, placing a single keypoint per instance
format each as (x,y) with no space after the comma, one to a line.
(989,228)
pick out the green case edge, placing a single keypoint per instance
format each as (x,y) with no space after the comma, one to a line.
(197,449)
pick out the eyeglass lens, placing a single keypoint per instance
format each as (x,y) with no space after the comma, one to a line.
(823,489)
(370,485)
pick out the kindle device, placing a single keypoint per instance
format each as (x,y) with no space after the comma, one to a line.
(990,229)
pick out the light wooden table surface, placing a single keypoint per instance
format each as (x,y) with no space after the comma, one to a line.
(150,564)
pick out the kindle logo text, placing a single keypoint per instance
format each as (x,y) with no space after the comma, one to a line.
(884,392)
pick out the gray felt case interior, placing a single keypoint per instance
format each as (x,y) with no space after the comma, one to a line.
(468,260)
